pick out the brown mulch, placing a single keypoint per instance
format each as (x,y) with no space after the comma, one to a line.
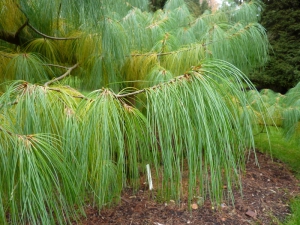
(266,193)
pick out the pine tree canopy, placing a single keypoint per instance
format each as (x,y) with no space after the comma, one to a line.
(92,91)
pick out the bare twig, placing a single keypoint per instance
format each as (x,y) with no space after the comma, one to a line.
(125,200)
(62,76)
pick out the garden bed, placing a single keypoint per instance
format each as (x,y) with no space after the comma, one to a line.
(266,194)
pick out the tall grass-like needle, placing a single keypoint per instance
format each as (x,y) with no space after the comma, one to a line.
(33,192)
(197,124)
(115,145)
(27,66)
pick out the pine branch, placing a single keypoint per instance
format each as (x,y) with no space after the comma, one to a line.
(13,38)
(50,37)
(5,56)
(54,65)
(74,96)
(238,33)
(15,102)
(173,52)
(10,103)
(186,76)
(9,37)
(6,131)
(40,33)
(62,76)
(27,137)
(21,28)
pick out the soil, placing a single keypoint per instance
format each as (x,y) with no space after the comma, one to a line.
(266,193)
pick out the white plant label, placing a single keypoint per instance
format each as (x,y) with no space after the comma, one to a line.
(149,177)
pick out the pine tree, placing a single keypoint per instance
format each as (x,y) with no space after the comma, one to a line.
(94,91)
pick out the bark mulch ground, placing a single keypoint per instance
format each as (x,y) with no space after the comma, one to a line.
(266,194)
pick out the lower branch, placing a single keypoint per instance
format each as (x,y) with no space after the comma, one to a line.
(62,76)
(176,79)
(9,37)
(50,37)
(13,38)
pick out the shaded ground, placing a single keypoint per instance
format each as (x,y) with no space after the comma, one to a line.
(266,192)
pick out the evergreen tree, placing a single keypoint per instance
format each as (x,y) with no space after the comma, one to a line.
(282,72)
(92,91)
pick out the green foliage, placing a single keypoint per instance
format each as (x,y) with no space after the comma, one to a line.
(200,146)
(125,34)
(37,185)
(285,150)
(281,73)
(164,88)
(281,110)
(294,218)
(107,158)
(283,140)
(239,2)
(197,8)
(22,66)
